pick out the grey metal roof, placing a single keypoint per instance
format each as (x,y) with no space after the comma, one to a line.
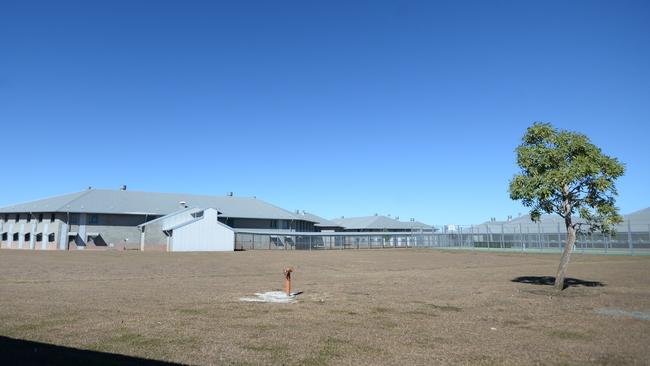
(639,217)
(274,232)
(319,221)
(152,203)
(526,220)
(377,222)
(637,221)
(174,213)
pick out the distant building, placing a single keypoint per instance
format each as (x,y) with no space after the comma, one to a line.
(378,223)
(121,219)
(320,223)
(638,221)
(99,218)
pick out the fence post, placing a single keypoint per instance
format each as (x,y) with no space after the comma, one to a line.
(559,238)
(488,234)
(629,236)
(310,242)
(502,237)
(471,236)
(527,237)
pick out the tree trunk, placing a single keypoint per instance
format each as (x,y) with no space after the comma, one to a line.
(566,255)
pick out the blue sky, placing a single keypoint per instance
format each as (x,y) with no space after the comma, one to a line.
(336,107)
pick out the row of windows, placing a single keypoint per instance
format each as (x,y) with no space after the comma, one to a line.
(92,219)
(28,236)
(28,217)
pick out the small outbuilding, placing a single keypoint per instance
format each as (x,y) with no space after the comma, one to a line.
(202,233)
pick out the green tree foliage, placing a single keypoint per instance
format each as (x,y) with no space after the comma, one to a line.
(563,173)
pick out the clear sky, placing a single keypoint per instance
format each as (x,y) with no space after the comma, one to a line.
(336,107)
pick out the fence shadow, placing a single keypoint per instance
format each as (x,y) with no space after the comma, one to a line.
(22,352)
(550,281)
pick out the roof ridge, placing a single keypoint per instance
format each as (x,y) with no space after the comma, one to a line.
(42,199)
(85,193)
(176,193)
(294,215)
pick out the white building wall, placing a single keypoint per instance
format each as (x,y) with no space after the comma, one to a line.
(206,234)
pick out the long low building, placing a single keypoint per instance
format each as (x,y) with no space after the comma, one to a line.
(122,219)
(379,223)
(100,218)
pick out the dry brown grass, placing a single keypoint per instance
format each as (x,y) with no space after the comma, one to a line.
(359,307)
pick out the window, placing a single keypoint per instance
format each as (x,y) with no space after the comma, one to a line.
(39,237)
(93,219)
(17,217)
(15,237)
(40,217)
(4,236)
(28,236)
(50,237)
(52,218)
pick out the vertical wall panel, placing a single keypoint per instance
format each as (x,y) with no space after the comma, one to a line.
(63,237)
(46,236)
(82,230)
(21,236)
(10,235)
(32,235)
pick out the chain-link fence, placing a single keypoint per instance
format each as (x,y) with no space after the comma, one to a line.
(536,238)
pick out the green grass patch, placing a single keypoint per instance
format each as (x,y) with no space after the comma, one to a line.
(134,339)
(567,334)
(380,310)
(40,327)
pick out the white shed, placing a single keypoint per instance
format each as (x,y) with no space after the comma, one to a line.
(203,233)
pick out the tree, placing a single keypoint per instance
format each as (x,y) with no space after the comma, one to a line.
(563,173)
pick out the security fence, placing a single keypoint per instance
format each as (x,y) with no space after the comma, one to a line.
(505,237)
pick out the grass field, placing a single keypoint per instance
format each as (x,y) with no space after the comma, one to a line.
(372,307)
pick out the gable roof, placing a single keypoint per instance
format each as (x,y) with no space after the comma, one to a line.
(152,203)
(318,221)
(377,222)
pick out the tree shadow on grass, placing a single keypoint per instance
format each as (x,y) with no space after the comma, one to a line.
(550,281)
(21,352)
